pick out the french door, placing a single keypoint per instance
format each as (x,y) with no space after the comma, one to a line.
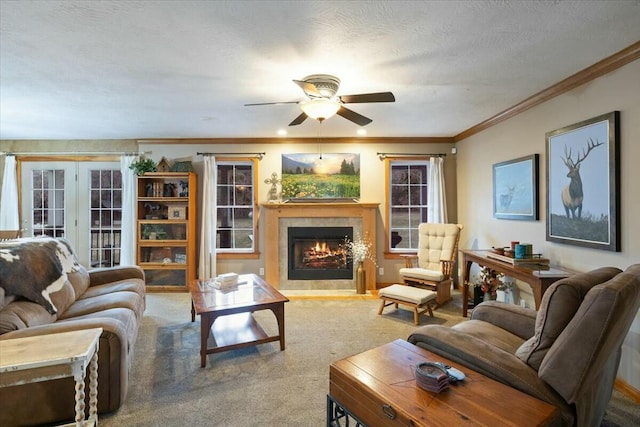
(81,201)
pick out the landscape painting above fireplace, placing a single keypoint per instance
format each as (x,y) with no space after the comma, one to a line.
(320,176)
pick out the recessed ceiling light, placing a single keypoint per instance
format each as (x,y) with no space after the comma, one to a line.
(282,132)
(362,132)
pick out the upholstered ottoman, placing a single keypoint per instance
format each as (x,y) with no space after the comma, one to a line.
(420,299)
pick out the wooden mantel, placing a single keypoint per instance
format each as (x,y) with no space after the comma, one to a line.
(274,211)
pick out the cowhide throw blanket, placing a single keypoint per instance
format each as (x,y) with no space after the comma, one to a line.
(34,268)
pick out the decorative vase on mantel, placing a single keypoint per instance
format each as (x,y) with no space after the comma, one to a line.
(361,283)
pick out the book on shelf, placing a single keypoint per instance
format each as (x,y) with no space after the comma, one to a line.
(528,260)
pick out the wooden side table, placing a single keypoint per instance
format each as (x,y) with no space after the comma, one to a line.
(538,277)
(49,357)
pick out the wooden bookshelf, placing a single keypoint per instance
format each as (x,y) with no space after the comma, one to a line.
(166,229)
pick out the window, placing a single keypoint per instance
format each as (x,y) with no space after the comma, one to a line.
(407,183)
(236,206)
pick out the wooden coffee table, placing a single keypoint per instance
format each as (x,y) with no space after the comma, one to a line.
(231,310)
(378,388)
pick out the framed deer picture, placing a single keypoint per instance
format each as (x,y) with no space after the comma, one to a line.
(583,181)
(515,189)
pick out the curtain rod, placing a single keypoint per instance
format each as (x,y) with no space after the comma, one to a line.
(74,153)
(385,155)
(258,155)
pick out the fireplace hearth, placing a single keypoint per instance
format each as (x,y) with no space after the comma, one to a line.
(318,253)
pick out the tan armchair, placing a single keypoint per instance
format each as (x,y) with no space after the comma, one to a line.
(566,354)
(437,251)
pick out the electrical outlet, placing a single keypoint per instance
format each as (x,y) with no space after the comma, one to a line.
(262,271)
(381,271)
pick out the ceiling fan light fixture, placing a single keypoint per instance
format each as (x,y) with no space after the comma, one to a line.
(320,108)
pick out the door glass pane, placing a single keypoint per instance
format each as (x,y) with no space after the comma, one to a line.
(105,193)
(47,201)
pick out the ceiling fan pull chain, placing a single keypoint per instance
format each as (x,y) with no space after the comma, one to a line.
(318,138)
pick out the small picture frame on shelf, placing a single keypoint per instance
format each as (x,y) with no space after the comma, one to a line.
(177,212)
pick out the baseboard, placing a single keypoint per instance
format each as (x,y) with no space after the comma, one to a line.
(628,390)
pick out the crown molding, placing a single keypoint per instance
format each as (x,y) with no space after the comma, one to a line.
(285,140)
(588,74)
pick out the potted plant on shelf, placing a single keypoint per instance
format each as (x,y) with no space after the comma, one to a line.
(140,167)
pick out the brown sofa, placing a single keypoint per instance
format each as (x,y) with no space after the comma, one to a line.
(566,354)
(109,298)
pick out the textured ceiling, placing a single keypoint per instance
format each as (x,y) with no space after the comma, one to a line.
(184,69)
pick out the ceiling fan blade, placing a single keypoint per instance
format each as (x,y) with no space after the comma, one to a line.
(308,88)
(272,103)
(356,118)
(368,97)
(301,118)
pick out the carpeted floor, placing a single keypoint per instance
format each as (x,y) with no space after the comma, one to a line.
(262,385)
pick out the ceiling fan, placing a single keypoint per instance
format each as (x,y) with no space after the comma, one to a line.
(323,102)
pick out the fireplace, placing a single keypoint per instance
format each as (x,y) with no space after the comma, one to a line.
(279,217)
(318,253)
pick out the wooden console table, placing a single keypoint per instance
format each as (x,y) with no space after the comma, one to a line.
(536,276)
(47,357)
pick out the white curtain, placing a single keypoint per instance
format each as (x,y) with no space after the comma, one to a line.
(9,202)
(436,198)
(129,197)
(207,264)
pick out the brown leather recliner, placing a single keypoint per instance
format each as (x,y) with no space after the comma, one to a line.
(566,354)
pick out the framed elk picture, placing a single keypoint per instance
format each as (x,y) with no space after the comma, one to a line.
(515,189)
(583,181)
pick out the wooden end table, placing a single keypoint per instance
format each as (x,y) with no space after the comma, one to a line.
(378,388)
(48,357)
(235,327)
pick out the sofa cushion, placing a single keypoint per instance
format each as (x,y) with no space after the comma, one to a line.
(436,242)
(63,298)
(422,273)
(491,334)
(79,280)
(130,285)
(125,318)
(558,306)
(124,299)
(22,314)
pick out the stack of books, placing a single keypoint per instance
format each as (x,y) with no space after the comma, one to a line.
(536,259)
(225,281)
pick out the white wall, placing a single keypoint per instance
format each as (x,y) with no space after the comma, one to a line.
(524,135)
(372,177)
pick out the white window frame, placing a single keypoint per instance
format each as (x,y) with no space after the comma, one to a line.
(411,228)
(233,252)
